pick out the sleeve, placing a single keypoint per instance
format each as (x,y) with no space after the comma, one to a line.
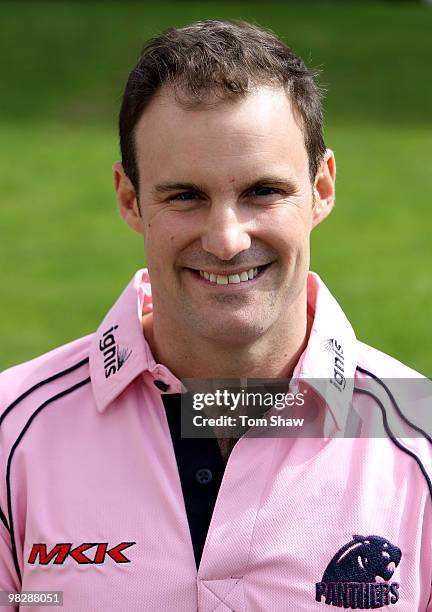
(8,577)
(9,580)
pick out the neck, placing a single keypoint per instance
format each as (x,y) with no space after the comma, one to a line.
(186,355)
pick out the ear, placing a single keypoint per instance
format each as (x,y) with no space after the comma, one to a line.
(324,188)
(127,199)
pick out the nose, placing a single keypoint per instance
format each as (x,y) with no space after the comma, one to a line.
(225,235)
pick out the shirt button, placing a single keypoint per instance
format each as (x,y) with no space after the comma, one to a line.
(203,476)
(160,384)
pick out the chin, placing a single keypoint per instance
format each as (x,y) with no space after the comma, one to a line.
(234,332)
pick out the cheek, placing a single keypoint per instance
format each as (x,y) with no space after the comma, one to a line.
(289,235)
(161,246)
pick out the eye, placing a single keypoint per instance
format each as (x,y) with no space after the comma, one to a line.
(264,191)
(184,196)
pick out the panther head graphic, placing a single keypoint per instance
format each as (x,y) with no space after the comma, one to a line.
(364,559)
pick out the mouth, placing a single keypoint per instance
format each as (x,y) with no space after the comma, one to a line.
(237,277)
(387,573)
(390,569)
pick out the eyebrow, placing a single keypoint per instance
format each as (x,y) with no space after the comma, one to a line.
(276,181)
(170,187)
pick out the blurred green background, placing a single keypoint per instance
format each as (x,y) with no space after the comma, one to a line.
(66,255)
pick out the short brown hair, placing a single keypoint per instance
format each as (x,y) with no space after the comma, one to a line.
(223,58)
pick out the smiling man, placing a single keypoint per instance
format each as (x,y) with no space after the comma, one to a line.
(224,173)
(225,203)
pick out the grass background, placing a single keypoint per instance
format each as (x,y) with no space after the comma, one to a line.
(65,255)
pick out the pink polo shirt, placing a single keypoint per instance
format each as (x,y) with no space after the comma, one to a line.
(92,505)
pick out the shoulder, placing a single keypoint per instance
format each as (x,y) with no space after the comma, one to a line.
(381,364)
(25,390)
(19,378)
(25,386)
(401,399)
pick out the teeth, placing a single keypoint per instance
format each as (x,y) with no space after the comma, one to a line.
(222,279)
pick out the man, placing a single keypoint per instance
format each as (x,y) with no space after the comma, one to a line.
(224,173)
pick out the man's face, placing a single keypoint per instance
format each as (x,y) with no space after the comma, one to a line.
(226,207)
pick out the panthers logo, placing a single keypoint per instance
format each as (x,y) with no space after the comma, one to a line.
(359,574)
(364,560)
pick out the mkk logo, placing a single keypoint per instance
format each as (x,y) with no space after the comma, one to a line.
(359,573)
(114,356)
(338,380)
(60,552)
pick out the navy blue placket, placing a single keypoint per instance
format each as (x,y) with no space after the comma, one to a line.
(201,468)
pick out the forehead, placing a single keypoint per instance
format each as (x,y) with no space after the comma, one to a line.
(256,133)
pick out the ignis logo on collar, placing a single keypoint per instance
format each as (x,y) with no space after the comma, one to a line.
(114,356)
(338,380)
(359,573)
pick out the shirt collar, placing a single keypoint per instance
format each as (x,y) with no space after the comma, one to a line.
(329,362)
(119,352)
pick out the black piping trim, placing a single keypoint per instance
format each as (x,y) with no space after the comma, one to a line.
(18,440)
(40,384)
(4,519)
(26,394)
(395,440)
(393,401)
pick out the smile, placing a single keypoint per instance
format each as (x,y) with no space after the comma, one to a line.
(240,276)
